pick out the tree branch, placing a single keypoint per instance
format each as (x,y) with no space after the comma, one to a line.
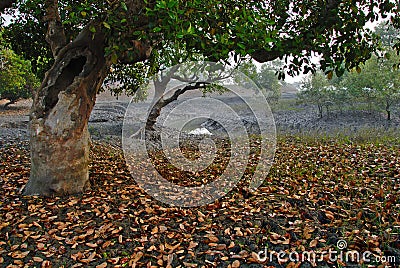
(140,51)
(161,103)
(55,33)
(265,56)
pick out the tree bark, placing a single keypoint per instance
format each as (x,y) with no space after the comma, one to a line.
(388,111)
(59,118)
(320,107)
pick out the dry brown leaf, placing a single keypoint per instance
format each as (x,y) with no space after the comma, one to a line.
(192,245)
(37,259)
(91,245)
(236,264)
(313,243)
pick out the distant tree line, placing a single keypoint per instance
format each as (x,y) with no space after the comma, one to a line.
(376,84)
(265,77)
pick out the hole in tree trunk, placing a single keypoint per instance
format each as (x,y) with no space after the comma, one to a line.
(65,79)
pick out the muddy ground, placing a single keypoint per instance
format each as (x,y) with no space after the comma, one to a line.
(290,118)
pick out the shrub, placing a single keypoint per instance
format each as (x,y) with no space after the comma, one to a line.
(16,78)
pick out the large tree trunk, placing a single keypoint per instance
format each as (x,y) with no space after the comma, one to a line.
(59,118)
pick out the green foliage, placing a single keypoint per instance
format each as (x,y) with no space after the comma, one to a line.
(265,78)
(16,77)
(249,69)
(180,30)
(317,90)
(268,81)
(126,78)
(388,34)
(27,32)
(378,82)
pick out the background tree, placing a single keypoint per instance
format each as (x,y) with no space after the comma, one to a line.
(316,90)
(16,78)
(87,38)
(248,68)
(378,83)
(265,77)
(268,81)
(388,34)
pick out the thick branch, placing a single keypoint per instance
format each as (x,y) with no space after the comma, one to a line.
(5,4)
(179,92)
(55,33)
(264,55)
(139,51)
(161,103)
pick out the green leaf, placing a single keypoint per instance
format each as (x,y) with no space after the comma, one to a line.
(190,29)
(358,69)
(157,29)
(92,29)
(123,6)
(172,4)
(241,46)
(83,13)
(114,58)
(106,25)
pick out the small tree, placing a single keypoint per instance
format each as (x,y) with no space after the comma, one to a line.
(269,82)
(378,83)
(16,78)
(315,90)
(265,78)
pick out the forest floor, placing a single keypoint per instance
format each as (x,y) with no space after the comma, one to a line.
(325,202)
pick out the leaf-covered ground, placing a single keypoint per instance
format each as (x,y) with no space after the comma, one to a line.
(315,195)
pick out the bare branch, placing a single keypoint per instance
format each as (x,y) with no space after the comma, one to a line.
(55,33)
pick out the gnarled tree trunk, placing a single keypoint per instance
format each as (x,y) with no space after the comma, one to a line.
(59,117)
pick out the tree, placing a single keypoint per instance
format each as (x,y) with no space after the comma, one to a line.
(16,77)
(265,78)
(248,68)
(379,82)
(269,82)
(87,38)
(388,34)
(316,90)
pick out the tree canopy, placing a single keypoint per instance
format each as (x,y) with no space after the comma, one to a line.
(178,30)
